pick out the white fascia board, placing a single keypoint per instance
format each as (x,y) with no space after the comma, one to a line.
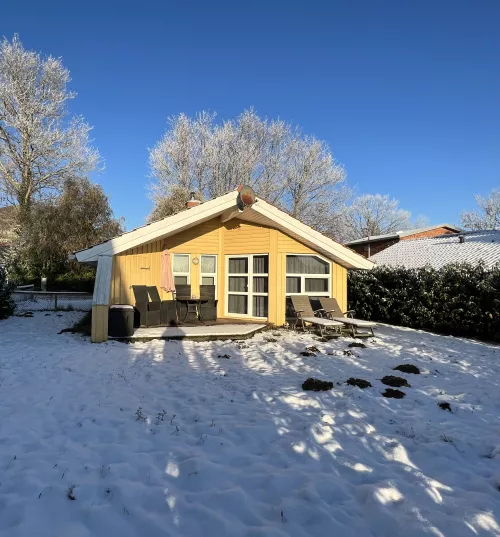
(102,286)
(163,228)
(336,251)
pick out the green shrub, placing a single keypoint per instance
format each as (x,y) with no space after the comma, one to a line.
(82,281)
(459,299)
(6,302)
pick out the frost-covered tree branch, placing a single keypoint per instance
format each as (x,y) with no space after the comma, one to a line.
(487,216)
(293,171)
(374,214)
(40,147)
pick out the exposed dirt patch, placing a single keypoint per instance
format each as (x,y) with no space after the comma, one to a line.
(307,353)
(393,394)
(317,385)
(314,349)
(444,406)
(347,352)
(270,340)
(408,368)
(226,356)
(357,344)
(360,383)
(395,382)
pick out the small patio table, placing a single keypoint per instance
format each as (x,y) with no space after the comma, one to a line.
(192,306)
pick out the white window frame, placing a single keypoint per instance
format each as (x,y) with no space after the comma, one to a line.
(303,277)
(210,274)
(249,292)
(188,274)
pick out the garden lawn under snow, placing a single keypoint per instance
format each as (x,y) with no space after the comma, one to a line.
(173,438)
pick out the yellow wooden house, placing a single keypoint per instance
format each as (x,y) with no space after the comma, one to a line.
(256,255)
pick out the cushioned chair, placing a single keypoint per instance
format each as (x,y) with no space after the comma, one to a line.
(168,310)
(209,308)
(149,312)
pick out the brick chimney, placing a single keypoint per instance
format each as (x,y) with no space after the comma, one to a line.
(192,202)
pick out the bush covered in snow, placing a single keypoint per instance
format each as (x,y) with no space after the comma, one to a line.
(459,299)
(6,302)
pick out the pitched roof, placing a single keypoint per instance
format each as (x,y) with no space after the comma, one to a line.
(402,234)
(443,250)
(226,206)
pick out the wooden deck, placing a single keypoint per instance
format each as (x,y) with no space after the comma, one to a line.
(219,331)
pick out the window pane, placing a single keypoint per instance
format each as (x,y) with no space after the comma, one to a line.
(208,280)
(180,280)
(181,263)
(208,264)
(238,265)
(239,284)
(260,284)
(260,264)
(316,285)
(237,304)
(260,306)
(306,264)
(292,284)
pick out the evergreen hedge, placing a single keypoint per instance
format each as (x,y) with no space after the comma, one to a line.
(459,299)
(6,302)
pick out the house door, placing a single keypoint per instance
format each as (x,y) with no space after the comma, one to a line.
(247,286)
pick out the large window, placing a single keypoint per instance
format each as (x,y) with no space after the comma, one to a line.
(307,275)
(208,271)
(180,268)
(248,285)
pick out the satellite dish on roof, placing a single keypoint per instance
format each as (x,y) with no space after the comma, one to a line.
(246,197)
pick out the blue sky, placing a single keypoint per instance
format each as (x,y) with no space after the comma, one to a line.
(406,93)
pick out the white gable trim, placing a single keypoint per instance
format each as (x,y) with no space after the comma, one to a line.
(332,249)
(102,287)
(163,228)
(225,205)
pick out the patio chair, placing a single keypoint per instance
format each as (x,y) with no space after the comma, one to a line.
(182,291)
(208,308)
(305,314)
(149,312)
(331,309)
(168,310)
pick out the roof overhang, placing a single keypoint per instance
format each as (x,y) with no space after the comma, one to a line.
(226,207)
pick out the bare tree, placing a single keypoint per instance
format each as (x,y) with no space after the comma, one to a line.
(375,214)
(487,216)
(171,204)
(40,146)
(296,172)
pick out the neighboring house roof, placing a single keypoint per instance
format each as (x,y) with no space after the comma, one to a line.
(225,206)
(443,250)
(402,234)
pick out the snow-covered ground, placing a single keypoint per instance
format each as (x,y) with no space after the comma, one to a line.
(169,439)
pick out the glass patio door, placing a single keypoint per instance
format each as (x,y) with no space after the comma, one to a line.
(247,285)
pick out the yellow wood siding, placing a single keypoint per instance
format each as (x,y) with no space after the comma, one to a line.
(99,327)
(141,265)
(244,238)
